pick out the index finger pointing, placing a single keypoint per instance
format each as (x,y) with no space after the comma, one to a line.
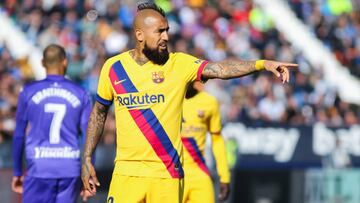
(293,65)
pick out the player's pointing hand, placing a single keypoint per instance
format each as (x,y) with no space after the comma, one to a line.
(279,69)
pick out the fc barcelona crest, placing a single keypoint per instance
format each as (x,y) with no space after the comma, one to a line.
(158,77)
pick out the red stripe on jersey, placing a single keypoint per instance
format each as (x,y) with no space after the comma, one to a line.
(191,146)
(155,143)
(119,89)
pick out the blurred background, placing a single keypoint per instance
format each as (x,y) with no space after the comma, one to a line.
(292,143)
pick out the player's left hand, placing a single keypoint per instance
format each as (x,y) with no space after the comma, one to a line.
(224,191)
(17,184)
(279,69)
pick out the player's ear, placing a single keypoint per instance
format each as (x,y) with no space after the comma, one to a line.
(139,35)
(64,65)
(65,62)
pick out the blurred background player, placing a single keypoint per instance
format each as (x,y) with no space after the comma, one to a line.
(201,114)
(147,85)
(51,114)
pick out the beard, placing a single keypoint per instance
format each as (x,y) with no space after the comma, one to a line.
(156,56)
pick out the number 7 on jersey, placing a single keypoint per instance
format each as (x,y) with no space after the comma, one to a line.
(59,111)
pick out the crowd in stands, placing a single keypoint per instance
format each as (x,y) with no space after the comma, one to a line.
(337,25)
(93,30)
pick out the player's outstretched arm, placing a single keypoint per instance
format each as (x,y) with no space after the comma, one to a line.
(93,134)
(233,68)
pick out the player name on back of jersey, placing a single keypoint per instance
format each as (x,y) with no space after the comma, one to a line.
(57,92)
(56,152)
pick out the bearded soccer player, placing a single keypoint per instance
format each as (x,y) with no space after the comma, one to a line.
(50,116)
(147,86)
(201,114)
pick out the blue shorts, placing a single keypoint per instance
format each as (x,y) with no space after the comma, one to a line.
(51,190)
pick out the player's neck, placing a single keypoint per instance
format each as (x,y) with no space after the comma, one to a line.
(55,71)
(138,56)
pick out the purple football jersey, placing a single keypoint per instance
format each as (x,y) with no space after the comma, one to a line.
(51,115)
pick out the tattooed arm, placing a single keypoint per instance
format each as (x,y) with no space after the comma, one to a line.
(233,68)
(93,134)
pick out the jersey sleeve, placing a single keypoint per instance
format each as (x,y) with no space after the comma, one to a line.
(215,119)
(218,144)
(85,115)
(104,92)
(192,66)
(19,134)
(219,151)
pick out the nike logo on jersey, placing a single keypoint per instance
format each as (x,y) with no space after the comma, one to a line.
(116,82)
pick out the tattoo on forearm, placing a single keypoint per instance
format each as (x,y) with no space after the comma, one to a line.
(85,171)
(95,128)
(228,69)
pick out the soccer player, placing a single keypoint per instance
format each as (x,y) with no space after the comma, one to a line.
(201,114)
(147,86)
(49,117)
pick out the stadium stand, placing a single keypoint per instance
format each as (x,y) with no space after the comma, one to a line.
(318,55)
(336,24)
